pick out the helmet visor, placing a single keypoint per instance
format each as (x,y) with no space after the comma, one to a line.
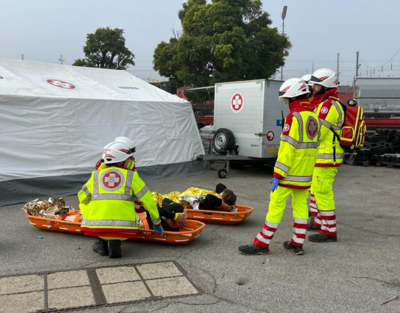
(314,80)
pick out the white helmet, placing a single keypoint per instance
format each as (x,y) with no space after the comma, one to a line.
(127,142)
(115,152)
(324,77)
(306,78)
(293,87)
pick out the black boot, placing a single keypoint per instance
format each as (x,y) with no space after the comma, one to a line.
(115,249)
(251,249)
(100,247)
(295,249)
(322,238)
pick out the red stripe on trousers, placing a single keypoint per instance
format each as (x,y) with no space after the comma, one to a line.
(327,218)
(301,226)
(328,233)
(295,243)
(301,236)
(317,224)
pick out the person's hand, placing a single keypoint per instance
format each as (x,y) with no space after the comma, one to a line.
(181,217)
(159,229)
(275,182)
(170,222)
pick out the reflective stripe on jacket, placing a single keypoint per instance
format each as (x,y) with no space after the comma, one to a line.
(107,201)
(298,147)
(331,116)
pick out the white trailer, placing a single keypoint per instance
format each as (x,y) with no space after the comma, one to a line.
(247,122)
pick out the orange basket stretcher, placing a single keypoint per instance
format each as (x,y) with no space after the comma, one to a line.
(189,229)
(220,217)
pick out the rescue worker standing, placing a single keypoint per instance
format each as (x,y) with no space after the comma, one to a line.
(330,155)
(107,202)
(293,170)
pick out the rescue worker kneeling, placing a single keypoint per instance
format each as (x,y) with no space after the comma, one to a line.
(107,202)
(293,170)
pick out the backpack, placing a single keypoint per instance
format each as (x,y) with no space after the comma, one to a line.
(352,134)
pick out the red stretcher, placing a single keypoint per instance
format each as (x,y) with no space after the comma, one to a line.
(189,229)
(220,217)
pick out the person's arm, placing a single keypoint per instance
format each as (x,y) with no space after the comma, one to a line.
(225,207)
(328,116)
(85,194)
(287,147)
(144,195)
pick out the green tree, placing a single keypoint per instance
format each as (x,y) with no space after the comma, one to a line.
(226,40)
(106,49)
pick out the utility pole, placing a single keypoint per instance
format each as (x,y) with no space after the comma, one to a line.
(22,57)
(357,64)
(283,32)
(61,59)
(337,70)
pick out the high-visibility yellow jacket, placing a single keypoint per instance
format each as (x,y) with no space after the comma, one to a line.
(331,116)
(107,201)
(298,147)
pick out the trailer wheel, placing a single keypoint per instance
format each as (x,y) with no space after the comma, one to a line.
(223,140)
(222,173)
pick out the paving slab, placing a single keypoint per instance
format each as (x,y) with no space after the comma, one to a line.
(158,270)
(171,287)
(117,274)
(70,297)
(125,292)
(67,279)
(17,284)
(22,303)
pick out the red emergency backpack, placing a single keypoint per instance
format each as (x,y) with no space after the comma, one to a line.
(352,134)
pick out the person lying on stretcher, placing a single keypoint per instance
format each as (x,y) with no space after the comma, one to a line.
(225,200)
(171,214)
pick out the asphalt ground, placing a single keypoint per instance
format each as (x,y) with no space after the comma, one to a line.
(356,274)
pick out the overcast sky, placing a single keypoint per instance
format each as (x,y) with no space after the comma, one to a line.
(42,30)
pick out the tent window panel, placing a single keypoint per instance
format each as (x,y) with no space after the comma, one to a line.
(170,126)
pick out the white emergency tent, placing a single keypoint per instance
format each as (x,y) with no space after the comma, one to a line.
(56,119)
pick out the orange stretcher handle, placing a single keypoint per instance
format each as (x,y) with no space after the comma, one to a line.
(144,220)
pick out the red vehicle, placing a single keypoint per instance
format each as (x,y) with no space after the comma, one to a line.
(208,119)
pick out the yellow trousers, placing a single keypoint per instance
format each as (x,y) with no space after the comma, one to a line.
(276,208)
(321,187)
(278,201)
(322,204)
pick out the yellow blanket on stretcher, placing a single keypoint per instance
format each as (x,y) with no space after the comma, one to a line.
(175,195)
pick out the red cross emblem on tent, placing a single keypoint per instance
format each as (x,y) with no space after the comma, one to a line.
(112,180)
(312,127)
(237,102)
(60,83)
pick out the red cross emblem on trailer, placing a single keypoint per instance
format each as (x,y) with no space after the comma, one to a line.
(270,135)
(60,83)
(111,180)
(237,102)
